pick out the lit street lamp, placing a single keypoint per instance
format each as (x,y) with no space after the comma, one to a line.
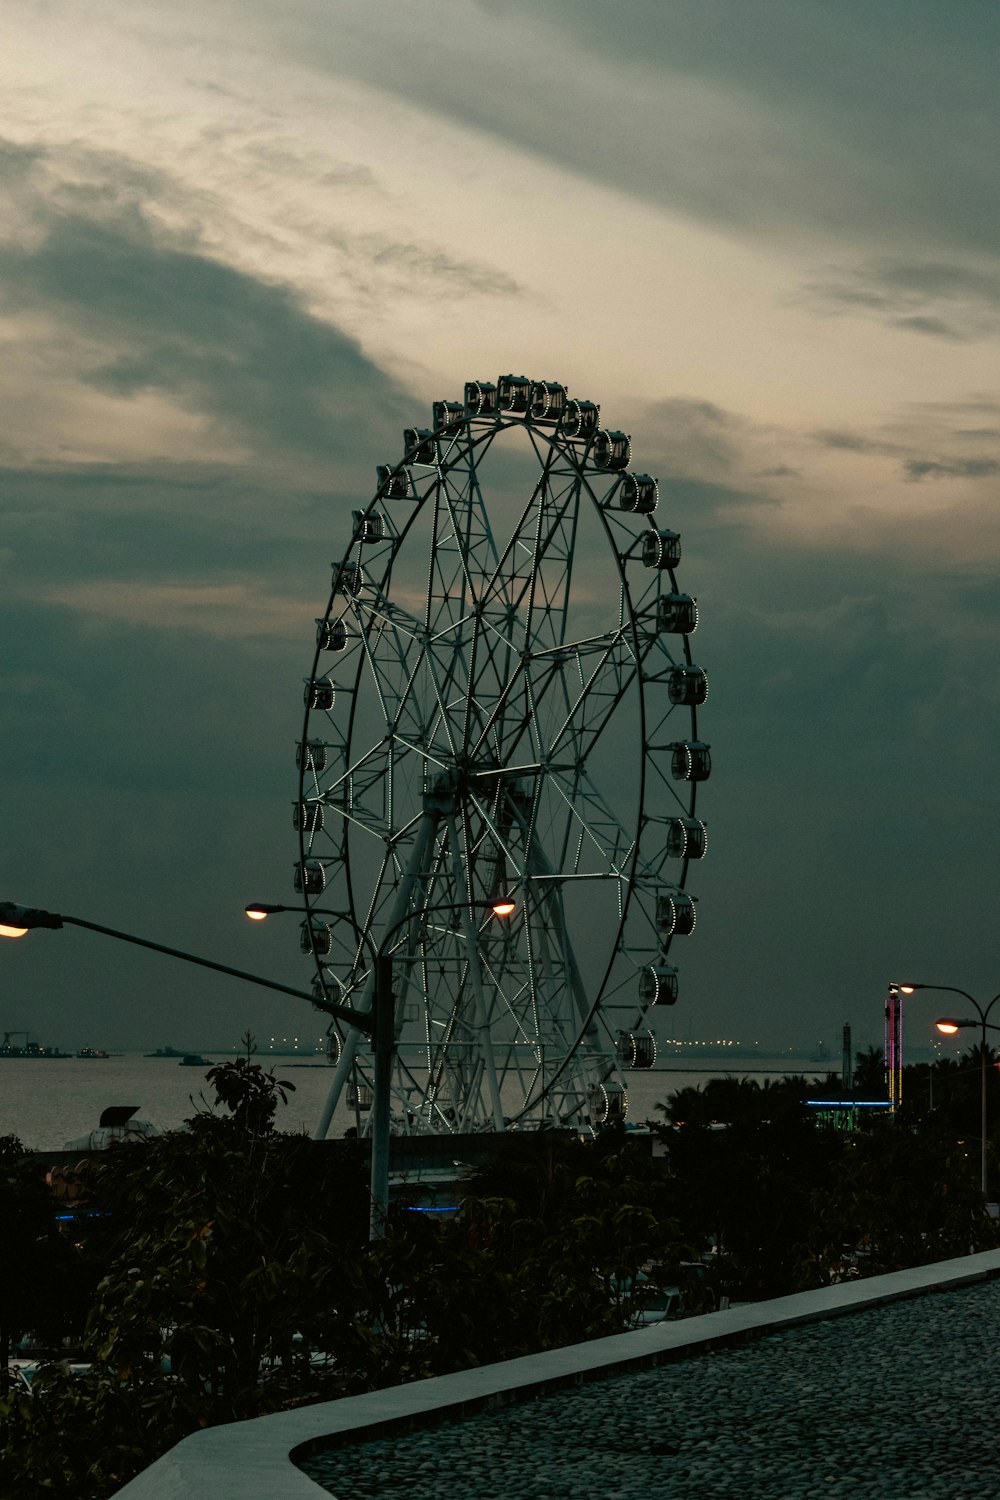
(380,1024)
(948,1027)
(377,1023)
(16,921)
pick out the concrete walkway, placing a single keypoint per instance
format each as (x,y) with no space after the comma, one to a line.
(254,1459)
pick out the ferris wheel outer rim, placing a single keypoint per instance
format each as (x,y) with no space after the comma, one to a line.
(493,425)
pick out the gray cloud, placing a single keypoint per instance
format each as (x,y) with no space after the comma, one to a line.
(179,522)
(233,348)
(285,155)
(241,352)
(449,274)
(936,298)
(951,468)
(867,123)
(690,436)
(934,327)
(907,436)
(853,442)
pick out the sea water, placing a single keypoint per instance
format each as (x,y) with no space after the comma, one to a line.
(49,1102)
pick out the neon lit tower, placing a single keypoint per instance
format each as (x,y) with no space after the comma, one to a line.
(894,1046)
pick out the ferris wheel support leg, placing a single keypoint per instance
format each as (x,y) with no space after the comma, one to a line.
(385,1046)
(348,1053)
(486,1058)
(424,835)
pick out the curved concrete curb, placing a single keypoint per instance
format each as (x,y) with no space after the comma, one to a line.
(255,1458)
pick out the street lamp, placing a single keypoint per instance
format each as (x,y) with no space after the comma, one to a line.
(379,1023)
(16,921)
(948,1027)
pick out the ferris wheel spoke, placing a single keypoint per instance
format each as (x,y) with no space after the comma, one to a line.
(371,775)
(656,770)
(463,552)
(588,815)
(533,687)
(389,641)
(474,546)
(532,577)
(594,708)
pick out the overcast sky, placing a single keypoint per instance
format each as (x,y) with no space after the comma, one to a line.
(243,244)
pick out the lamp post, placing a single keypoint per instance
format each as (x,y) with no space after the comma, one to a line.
(16,921)
(948,1027)
(379,1023)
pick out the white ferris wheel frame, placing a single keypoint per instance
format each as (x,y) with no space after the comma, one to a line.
(449,753)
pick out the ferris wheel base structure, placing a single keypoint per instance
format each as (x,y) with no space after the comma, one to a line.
(502,700)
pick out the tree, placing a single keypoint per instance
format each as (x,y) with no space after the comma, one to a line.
(869,1072)
(250,1094)
(898,1197)
(217,1250)
(746,1192)
(43,1288)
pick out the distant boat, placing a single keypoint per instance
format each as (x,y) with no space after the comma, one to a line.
(92,1052)
(195,1060)
(33,1051)
(166,1052)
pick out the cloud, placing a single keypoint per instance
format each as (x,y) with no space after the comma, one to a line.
(691,436)
(906,435)
(216,553)
(138,334)
(241,610)
(852,442)
(448,274)
(957,468)
(284,155)
(935,327)
(782,117)
(240,352)
(939,299)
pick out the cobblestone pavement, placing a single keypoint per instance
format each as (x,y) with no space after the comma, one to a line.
(894,1403)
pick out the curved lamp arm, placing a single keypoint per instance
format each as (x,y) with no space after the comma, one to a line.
(16,920)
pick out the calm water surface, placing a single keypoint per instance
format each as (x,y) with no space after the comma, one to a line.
(49,1103)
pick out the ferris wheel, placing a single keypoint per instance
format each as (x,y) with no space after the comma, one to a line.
(503,702)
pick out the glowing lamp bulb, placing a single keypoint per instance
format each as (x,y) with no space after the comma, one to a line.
(948,1028)
(907,989)
(504,908)
(11,932)
(256,916)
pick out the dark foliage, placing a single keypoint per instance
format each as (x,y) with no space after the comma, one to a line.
(229,1272)
(44,1287)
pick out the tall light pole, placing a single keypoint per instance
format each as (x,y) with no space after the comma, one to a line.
(380,1024)
(948,1027)
(16,921)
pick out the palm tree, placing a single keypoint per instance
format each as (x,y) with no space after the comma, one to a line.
(869,1071)
(686,1106)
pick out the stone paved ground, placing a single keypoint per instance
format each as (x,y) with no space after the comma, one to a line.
(895,1403)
